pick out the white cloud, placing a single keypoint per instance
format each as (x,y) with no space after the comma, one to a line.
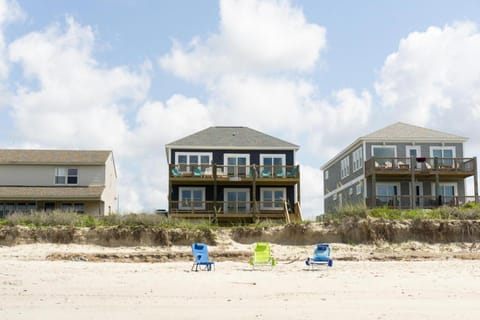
(10,12)
(433,79)
(75,101)
(254,36)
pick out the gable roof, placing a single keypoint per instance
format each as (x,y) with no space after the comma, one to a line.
(231,138)
(53,157)
(402,131)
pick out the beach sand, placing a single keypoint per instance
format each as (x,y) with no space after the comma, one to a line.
(34,287)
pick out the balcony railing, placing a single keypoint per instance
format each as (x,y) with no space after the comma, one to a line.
(425,202)
(227,207)
(234,172)
(463,166)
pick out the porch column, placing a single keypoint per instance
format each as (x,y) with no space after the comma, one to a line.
(298,185)
(475,177)
(413,194)
(214,174)
(373,200)
(254,191)
(437,182)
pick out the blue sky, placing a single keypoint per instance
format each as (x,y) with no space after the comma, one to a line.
(134,75)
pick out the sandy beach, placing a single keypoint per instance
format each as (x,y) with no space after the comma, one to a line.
(34,287)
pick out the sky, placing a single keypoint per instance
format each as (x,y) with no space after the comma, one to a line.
(133,75)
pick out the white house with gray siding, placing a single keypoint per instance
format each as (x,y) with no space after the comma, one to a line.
(400,166)
(68,180)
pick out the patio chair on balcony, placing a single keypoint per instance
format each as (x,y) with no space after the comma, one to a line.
(200,255)
(266,173)
(197,172)
(292,173)
(176,173)
(280,173)
(321,256)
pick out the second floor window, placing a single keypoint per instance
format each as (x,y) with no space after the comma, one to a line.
(345,167)
(272,164)
(357,159)
(66,176)
(189,161)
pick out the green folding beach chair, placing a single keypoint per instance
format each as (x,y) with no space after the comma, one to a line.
(262,255)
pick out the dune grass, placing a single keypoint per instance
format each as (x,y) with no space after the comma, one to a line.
(467,212)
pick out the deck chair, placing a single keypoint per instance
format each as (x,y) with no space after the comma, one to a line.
(200,256)
(197,172)
(280,173)
(292,173)
(321,256)
(262,255)
(266,173)
(176,173)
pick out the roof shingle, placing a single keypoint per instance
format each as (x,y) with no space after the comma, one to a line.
(19,156)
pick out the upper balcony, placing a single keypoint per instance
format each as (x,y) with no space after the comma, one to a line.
(182,173)
(453,167)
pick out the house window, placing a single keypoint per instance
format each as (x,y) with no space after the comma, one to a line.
(334,197)
(73,207)
(350,191)
(445,155)
(271,163)
(192,198)
(359,188)
(326,174)
(188,161)
(66,176)
(345,167)
(236,200)
(387,194)
(448,191)
(272,198)
(237,164)
(357,159)
(384,154)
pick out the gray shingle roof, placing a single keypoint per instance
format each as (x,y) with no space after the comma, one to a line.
(400,130)
(18,156)
(231,137)
(43,193)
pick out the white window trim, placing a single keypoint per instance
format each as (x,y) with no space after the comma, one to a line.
(326,174)
(443,148)
(358,188)
(273,200)
(275,155)
(188,154)
(350,191)
(357,157)
(66,177)
(180,199)
(408,148)
(394,147)
(237,155)
(225,199)
(345,167)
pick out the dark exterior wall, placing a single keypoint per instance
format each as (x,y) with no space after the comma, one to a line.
(218,155)
(331,206)
(334,180)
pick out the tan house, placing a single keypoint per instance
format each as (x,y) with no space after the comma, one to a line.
(45,180)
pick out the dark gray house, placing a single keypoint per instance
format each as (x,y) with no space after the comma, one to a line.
(400,166)
(233,173)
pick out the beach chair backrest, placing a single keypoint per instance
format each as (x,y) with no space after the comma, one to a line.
(322,251)
(262,252)
(200,252)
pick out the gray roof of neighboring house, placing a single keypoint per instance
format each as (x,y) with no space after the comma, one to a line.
(404,131)
(400,132)
(52,193)
(73,157)
(231,138)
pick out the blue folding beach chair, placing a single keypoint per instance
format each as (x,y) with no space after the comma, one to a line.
(321,256)
(200,256)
